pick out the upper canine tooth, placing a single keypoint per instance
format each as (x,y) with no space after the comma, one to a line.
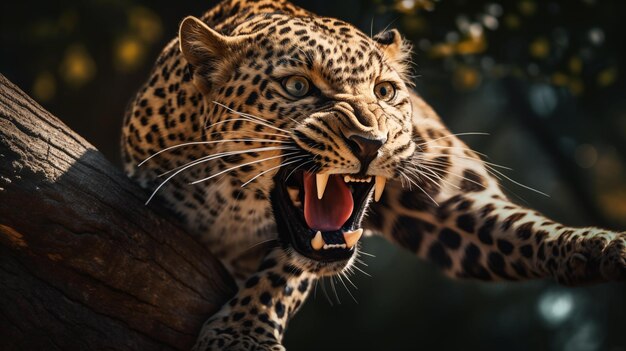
(346,179)
(368,179)
(379,187)
(352,237)
(321,180)
(317,242)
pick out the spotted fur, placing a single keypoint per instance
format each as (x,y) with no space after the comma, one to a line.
(214,110)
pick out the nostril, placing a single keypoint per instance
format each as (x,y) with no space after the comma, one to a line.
(365,148)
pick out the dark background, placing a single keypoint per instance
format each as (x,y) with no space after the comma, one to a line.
(544,78)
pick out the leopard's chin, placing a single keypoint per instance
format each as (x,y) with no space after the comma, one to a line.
(319,225)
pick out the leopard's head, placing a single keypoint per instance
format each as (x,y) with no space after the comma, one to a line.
(310,115)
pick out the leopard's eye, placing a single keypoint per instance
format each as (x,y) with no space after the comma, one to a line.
(385,91)
(297,86)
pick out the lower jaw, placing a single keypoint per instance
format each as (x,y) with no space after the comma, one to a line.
(296,243)
(320,268)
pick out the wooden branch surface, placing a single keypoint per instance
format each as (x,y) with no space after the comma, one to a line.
(83,263)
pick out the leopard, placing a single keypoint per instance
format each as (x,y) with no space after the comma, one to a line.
(281,138)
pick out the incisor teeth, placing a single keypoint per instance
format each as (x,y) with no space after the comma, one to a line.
(379,187)
(321,180)
(318,242)
(348,179)
(351,238)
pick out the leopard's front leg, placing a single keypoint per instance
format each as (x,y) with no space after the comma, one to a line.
(481,235)
(461,220)
(256,318)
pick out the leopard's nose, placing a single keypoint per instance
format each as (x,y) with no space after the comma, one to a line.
(365,148)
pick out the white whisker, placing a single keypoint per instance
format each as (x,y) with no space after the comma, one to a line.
(265,124)
(252,117)
(298,166)
(362,271)
(203,159)
(291,160)
(332,284)
(345,286)
(229,153)
(210,142)
(241,165)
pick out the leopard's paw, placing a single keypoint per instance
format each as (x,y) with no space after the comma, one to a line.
(221,335)
(595,258)
(613,261)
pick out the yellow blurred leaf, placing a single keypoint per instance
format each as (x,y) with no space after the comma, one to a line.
(471,46)
(466,78)
(442,50)
(560,79)
(607,77)
(145,24)
(512,21)
(613,203)
(413,24)
(576,86)
(129,53)
(575,65)
(44,87)
(539,48)
(77,67)
(527,7)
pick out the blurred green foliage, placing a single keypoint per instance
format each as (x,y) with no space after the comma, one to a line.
(545,78)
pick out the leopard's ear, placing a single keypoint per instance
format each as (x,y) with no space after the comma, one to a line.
(208,51)
(397,50)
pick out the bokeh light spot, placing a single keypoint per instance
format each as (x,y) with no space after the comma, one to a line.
(575,65)
(527,7)
(466,78)
(44,87)
(129,53)
(539,48)
(607,77)
(145,24)
(596,36)
(555,307)
(543,99)
(559,79)
(576,86)
(512,21)
(77,67)
(494,9)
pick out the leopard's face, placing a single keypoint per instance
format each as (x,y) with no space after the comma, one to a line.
(310,114)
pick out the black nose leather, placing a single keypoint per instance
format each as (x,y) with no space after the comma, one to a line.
(365,149)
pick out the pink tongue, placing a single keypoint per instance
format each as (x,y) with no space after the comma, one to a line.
(335,207)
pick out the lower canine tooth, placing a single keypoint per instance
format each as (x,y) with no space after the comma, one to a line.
(351,238)
(379,187)
(318,242)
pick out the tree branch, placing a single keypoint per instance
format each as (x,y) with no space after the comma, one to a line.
(83,263)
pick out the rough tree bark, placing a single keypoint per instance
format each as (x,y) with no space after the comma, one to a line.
(83,263)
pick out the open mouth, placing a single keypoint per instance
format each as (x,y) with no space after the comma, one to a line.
(320,215)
